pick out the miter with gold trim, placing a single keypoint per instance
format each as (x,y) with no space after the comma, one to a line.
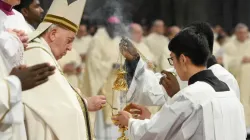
(66,13)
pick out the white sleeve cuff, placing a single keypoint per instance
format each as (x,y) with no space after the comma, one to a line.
(15,89)
(15,115)
(140,65)
(130,127)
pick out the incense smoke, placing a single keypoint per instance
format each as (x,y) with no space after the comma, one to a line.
(100,10)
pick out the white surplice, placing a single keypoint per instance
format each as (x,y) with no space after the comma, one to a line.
(15,21)
(198,113)
(145,88)
(11,108)
(52,110)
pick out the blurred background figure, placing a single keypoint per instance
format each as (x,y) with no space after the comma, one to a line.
(158,45)
(71,65)
(136,35)
(221,40)
(32,12)
(83,38)
(217,30)
(172,31)
(100,74)
(237,61)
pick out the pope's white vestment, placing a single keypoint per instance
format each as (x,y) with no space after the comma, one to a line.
(54,110)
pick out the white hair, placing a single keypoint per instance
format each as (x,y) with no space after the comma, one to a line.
(51,27)
(156,22)
(240,26)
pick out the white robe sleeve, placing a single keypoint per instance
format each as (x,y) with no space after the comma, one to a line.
(10,101)
(145,88)
(167,122)
(11,50)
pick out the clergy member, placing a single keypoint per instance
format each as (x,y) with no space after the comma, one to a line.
(82,41)
(14,79)
(136,35)
(100,74)
(32,12)
(206,109)
(237,60)
(71,65)
(11,18)
(56,110)
(157,44)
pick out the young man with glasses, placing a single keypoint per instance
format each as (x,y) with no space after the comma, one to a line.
(145,88)
(206,109)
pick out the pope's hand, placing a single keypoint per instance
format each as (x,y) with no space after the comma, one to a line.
(138,111)
(23,37)
(170,83)
(127,49)
(246,60)
(96,103)
(122,119)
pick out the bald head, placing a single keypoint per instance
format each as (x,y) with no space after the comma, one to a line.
(158,27)
(174,30)
(136,32)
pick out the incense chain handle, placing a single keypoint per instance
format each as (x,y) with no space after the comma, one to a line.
(126,44)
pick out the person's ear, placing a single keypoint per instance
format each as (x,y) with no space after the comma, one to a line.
(25,12)
(52,34)
(183,61)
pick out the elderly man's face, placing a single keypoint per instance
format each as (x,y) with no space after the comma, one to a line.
(242,34)
(61,41)
(137,34)
(159,27)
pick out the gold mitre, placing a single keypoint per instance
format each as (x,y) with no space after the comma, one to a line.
(67,13)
